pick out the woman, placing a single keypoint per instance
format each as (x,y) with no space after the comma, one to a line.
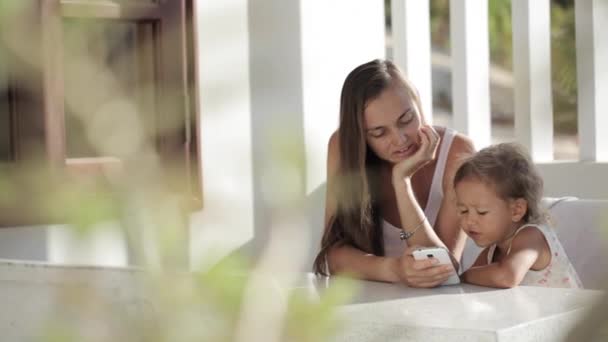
(389,178)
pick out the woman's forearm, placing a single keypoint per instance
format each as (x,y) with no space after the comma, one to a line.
(412,216)
(356,263)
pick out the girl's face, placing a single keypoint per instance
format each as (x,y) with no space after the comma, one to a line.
(392,123)
(486,218)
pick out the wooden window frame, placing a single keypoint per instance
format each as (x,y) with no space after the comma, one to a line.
(175,68)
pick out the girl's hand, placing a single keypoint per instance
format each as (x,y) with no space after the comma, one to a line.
(420,273)
(429,141)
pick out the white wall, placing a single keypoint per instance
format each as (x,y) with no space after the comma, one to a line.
(580,179)
(337,36)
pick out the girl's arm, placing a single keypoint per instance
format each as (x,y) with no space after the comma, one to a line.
(526,248)
(447,224)
(482,258)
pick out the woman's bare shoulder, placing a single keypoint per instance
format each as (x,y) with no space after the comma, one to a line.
(333,152)
(461,148)
(461,145)
(333,139)
(333,145)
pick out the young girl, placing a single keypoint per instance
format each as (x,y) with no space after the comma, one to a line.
(498,194)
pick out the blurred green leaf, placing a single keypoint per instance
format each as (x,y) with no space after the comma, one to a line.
(311,318)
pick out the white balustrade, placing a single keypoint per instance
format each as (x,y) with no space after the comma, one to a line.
(470,69)
(592,73)
(531,53)
(533,85)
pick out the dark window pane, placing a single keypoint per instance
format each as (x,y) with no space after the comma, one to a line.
(5,113)
(109,85)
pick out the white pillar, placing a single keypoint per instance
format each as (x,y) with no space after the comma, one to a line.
(222,41)
(592,75)
(531,22)
(300,54)
(470,69)
(412,46)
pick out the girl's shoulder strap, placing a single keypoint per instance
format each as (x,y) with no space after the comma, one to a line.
(490,255)
(541,228)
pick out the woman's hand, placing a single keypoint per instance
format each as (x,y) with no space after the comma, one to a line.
(429,140)
(420,273)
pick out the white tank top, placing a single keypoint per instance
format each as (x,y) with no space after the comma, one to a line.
(393,245)
(559,272)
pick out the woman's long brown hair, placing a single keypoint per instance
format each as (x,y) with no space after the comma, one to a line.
(356,185)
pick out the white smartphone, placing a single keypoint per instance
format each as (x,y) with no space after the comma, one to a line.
(440,254)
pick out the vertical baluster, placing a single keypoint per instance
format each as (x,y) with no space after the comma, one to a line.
(470,69)
(532,68)
(592,74)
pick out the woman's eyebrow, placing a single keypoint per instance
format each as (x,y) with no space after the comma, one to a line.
(399,118)
(407,111)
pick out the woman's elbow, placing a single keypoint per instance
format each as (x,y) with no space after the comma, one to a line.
(333,260)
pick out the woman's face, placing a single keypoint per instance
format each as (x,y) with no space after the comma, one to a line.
(391,124)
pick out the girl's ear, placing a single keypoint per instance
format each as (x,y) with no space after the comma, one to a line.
(519,208)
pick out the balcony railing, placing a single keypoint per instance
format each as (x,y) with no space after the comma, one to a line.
(532,87)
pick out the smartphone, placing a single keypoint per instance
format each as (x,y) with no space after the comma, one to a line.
(440,254)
